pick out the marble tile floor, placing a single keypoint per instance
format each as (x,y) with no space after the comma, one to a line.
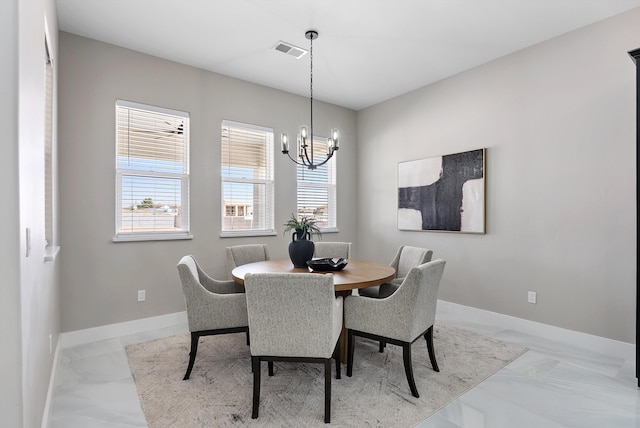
(551,386)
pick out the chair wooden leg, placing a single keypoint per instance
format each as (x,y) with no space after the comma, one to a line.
(270,365)
(428,335)
(406,356)
(248,341)
(350,347)
(383,345)
(327,391)
(192,354)
(336,356)
(255,365)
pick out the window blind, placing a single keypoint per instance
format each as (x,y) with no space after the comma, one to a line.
(317,188)
(247,178)
(48,147)
(152,171)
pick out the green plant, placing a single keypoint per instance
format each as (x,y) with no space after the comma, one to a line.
(146,203)
(304,224)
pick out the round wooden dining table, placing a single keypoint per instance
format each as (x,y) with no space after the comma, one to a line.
(356,274)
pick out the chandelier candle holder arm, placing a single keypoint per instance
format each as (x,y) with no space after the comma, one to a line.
(304,155)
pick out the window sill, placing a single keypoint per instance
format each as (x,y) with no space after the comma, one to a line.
(137,238)
(329,230)
(243,233)
(51,252)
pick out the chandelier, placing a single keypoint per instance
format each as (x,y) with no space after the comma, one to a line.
(305,137)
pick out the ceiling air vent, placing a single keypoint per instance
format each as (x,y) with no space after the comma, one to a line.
(290,49)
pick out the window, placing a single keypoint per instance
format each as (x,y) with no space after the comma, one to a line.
(247,179)
(51,247)
(48,145)
(317,189)
(152,173)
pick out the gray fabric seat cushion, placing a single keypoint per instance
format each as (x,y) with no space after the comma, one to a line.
(332,250)
(405,314)
(293,314)
(211,304)
(405,258)
(241,255)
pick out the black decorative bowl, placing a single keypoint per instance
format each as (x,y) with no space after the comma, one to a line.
(327,265)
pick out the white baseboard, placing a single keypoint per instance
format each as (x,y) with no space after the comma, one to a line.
(52,382)
(598,344)
(111,331)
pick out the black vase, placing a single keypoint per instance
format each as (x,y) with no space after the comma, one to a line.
(301,248)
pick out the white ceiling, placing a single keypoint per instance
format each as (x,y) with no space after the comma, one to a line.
(368,50)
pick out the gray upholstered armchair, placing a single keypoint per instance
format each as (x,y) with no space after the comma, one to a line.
(399,319)
(213,307)
(241,255)
(293,317)
(333,250)
(406,257)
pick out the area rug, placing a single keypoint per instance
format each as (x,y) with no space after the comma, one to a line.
(219,391)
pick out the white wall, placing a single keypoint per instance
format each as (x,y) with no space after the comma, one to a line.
(29,307)
(39,279)
(10,358)
(100,278)
(558,122)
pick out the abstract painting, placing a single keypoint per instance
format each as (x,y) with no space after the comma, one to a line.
(443,193)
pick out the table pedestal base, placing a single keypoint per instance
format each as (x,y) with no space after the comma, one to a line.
(343,333)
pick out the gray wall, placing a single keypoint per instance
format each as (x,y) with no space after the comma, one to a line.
(100,278)
(558,122)
(29,307)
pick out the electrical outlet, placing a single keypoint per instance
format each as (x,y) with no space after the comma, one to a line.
(532,297)
(142,295)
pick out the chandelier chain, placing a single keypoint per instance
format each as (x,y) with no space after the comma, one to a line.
(311,94)
(305,155)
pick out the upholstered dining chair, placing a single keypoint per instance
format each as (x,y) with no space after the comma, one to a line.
(399,319)
(293,317)
(241,255)
(333,250)
(213,307)
(405,258)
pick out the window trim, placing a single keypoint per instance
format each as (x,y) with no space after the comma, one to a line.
(185,179)
(51,249)
(268,182)
(332,190)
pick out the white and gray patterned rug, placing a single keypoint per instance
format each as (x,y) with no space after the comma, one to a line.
(219,392)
